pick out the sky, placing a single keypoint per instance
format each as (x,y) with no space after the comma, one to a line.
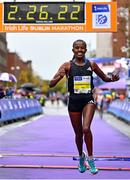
(47,51)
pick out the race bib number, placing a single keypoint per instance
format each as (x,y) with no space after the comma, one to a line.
(82,84)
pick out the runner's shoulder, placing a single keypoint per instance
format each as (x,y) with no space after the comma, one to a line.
(66,65)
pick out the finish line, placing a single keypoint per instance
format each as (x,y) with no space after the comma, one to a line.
(60,167)
(75,157)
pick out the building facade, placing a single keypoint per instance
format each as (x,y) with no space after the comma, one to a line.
(3,52)
(116,44)
(104,45)
(121,39)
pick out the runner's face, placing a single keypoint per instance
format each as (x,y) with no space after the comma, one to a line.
(79,50)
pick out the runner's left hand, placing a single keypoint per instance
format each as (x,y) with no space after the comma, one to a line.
(115,77)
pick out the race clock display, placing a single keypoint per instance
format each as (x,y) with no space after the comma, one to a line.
(53,16)
(44,12)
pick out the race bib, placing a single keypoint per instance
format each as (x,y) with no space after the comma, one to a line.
(82,84)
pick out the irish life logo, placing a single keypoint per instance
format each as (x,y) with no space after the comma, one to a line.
(101,16)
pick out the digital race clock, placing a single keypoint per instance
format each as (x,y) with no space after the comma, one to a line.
(58,16)
(44,12)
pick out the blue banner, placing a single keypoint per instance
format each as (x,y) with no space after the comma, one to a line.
(96,8)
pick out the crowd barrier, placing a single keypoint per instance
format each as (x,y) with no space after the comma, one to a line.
(12,109)
(121,109)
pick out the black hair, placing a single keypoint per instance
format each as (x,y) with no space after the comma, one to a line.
(80,41)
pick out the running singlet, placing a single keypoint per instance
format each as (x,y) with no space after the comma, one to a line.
(80,80)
